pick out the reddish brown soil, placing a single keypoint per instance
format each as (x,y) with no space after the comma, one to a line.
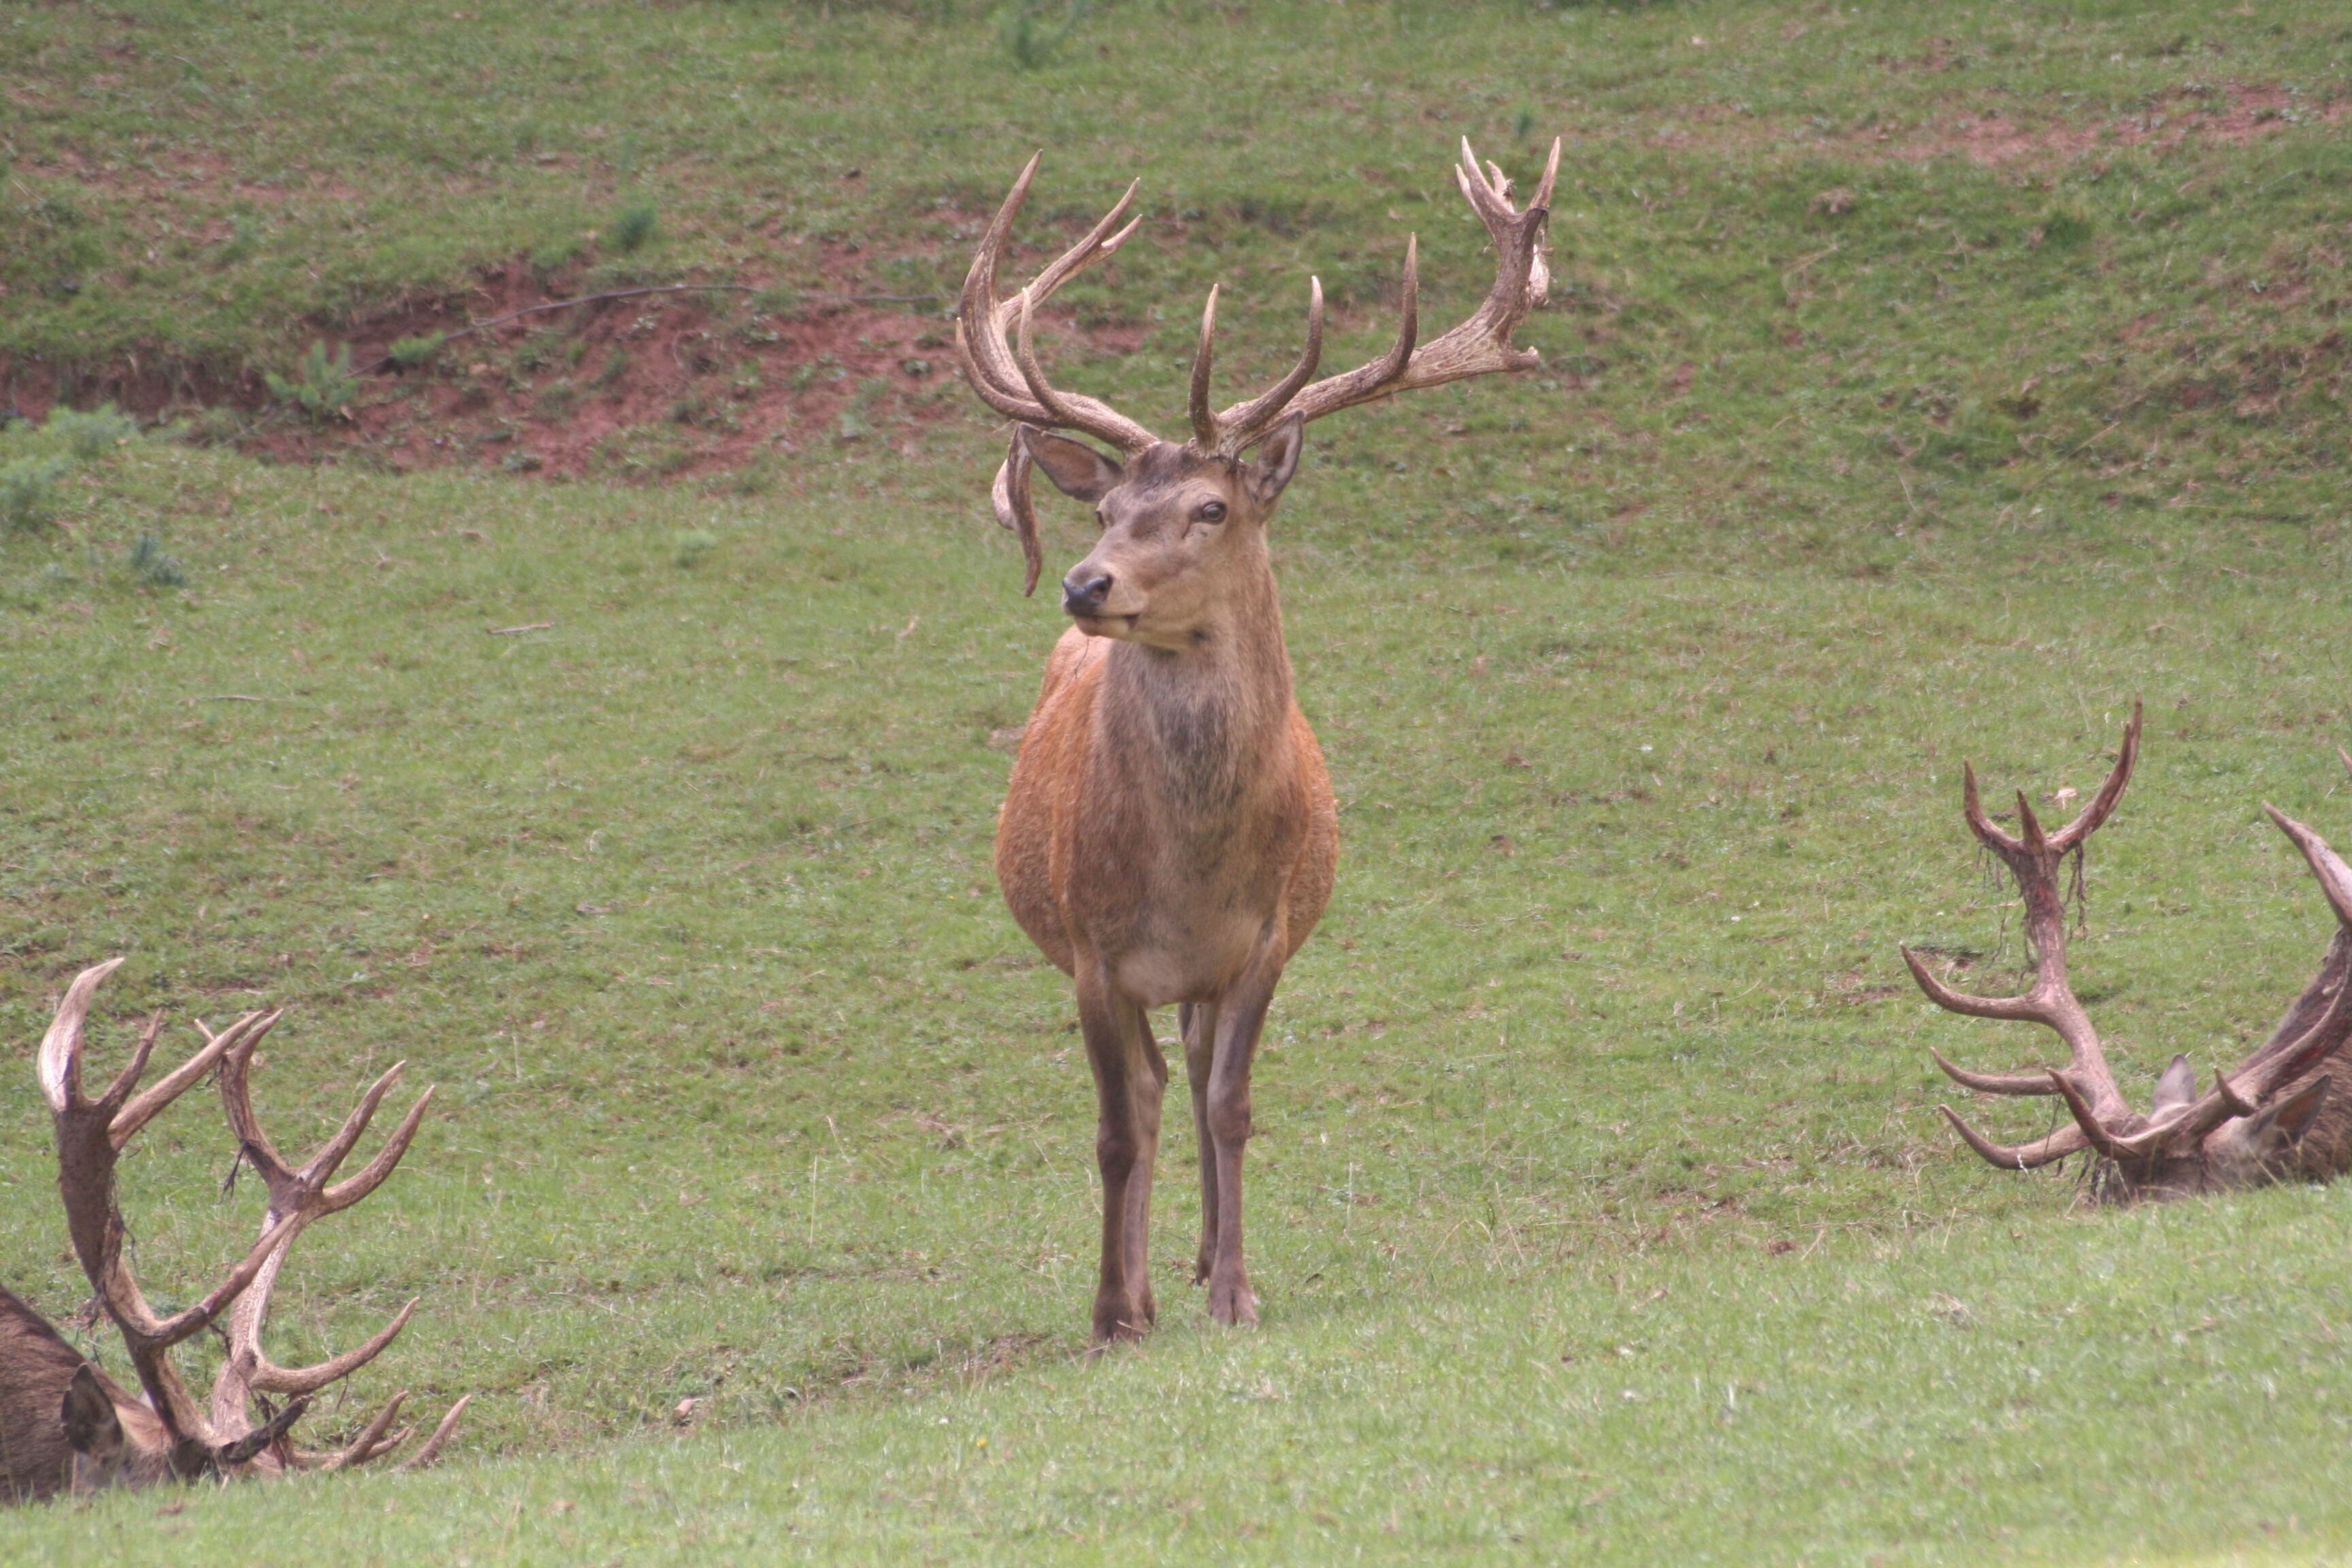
(2233,116)
(641,388)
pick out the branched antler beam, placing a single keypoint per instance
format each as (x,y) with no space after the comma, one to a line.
(2270,1115)
(91,1135)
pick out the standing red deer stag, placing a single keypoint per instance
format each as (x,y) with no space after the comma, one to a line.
(65,1425)
(2272,1118)
(1170,834)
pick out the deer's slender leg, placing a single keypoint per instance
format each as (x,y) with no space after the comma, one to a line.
(1197,1021)
(1147,1084)
(1241,1014)
(1113,1052)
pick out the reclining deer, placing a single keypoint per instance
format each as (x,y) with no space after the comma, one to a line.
(2272,1118)
(1169,835)
(63,1423)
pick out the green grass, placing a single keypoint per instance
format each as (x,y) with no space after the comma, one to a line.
(1645,697)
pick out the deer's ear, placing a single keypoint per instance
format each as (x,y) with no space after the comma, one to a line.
(92,1427)
(1077,470)
(2290,1119)
(1277,458)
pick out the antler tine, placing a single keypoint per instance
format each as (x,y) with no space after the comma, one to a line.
(369,1443)
(266,1376)
(1015,512)
(2087,1117)
(331,1153)
(1204,421)
(2028,1008)
(989,363)
(139,1113)
(1972,808)
(1481,344)
(440,1438)
(2334,877)
(1240,427)
(344,1193)
(59,1063)
(2092,817)
(1995,1082)
(2020,1156)
(1025,355)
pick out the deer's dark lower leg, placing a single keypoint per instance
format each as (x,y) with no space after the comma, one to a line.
(1119,1143)
(1240,1017)
(1197,1024)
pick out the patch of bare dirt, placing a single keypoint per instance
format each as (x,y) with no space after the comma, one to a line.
(646,387)
(539,374)
(2232,116)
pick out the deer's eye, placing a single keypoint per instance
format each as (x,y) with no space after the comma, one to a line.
(1101,520)
(1210,511)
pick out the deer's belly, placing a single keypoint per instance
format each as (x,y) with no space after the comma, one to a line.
(1168,961)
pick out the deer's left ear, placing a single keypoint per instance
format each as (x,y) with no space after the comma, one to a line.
(1277,458)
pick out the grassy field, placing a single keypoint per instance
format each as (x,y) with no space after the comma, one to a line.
(1600,1209)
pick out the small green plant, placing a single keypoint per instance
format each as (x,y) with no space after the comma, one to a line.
(155,565)
(410,352)
(323,384)
(693,545)
(28,489)
(243,239)
(776,300)
(89,435)
(632,226)
(1031,32)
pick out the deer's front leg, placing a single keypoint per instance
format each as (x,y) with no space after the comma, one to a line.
(1240,1015)
(1197,1021)
(1127,1074)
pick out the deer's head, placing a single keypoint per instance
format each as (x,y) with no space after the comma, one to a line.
(1183,525)
(1184,533)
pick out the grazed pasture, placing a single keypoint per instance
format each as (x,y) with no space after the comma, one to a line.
(1600,1207)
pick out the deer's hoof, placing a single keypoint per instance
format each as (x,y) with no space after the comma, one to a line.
(1234,1305)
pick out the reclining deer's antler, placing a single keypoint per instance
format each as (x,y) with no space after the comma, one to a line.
(2033,858)
(2182,1125)
(997,357)
(90,1137)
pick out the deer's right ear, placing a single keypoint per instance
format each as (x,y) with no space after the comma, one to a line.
(1077,470)
(92,1428)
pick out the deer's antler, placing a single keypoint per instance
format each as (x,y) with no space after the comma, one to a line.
(993,346)
(297,1197)
(1479,346)
(2179,1121)
(90,1136)
(1003,370)
(2034,858)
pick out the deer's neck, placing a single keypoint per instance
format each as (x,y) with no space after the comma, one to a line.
(1203,726)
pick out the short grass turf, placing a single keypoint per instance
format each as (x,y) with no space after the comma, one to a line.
(1600,1207)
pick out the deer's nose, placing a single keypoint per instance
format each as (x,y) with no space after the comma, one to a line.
(1083,593)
